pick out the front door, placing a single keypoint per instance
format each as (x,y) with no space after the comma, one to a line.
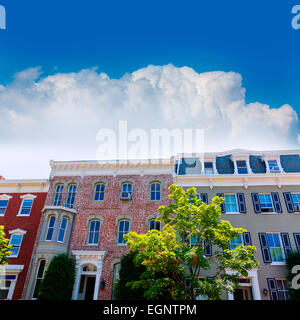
(244,293)
(90,288)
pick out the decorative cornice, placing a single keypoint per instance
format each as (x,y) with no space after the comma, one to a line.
(59,208)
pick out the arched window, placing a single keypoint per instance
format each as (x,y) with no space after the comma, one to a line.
(58,195)
(50,228)
(62,229)
(123,228)
(99,192)
(71,195)
(155,191)
(39,277)
(94,231)
(126,192)
(154,225)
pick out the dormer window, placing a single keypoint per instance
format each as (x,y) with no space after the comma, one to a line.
(273,166)
(241,167)
(208,168)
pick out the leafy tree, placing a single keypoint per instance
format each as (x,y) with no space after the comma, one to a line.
(169,253)
(58,281)
(293,259)
(4,247)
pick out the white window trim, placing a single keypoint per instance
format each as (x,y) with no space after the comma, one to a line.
(278,263)
(5,197)
(16,232)
(273,207)
(26,197)
(237,204)
(65,233)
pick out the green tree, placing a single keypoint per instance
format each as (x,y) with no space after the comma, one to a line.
(58,281)
(169,253)
(5,249)
(293,259)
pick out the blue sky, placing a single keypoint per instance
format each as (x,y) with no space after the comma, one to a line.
(252,38)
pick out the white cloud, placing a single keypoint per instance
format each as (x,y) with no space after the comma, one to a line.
(58,116)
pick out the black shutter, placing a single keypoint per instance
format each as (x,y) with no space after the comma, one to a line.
(286,243)
(256,202)
(204,197)
(276,202)
(247,239)
(223,208)
(289,202)
(272,288)
(297,240)
(241,202)
(265,247)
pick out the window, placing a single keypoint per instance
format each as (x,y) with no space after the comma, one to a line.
(282,289)
(126,191)
(155,191)
(58,195)
(242,167)
(273,166)
(3,206)
(238,241)
(94,231)
(275,247)
(99,192)
(123,228)
(231,204)
(62,230)
(195,241)
(266,204)
(26,207)
(116,277)
(71,195)
(154,225)
(39,278)
(50,228)
(296,201)
(15,241)
(208,168)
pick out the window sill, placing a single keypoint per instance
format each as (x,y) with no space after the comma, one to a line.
(92,244)
(278,263)
(266,213)
(232,213)
(22,215)
(122,244)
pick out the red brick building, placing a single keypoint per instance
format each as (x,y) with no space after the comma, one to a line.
(21,204)
(95,204)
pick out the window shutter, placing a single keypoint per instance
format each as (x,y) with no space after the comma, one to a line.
(288,201)
(256,203)
(223,209)
(265,247)
(241,202)
(286,243)
(247,239)
(276,202)
(272,288)
(208,250)
(297,240)
(204,197)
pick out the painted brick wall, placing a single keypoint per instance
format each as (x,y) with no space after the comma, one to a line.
(29,224)
(139,208)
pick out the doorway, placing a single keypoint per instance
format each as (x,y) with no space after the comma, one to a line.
(87,287)
(244,293)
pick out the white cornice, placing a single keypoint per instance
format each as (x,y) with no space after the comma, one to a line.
(58,208)
(24,186)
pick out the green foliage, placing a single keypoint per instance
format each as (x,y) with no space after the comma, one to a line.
(4,247)
(58,281)
(293,259)
(169,253)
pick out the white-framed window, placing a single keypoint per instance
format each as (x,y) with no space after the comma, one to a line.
(231,203)
(208,168)
(3,206)
(195,241)
(296,199)
(39,277)
(273,166)
(58,195)
(155,191)
(282,289)
(26,207)
(123,228)
(235,242)
(127,187)
(15,241)
(99,192)
(50,228)
(71,195)
(63,229)
(94,232)
(241,167)
(154,225)
(116,276)
(266,203)
(275,247)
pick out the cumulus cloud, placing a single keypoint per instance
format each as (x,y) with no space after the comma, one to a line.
(58,116)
